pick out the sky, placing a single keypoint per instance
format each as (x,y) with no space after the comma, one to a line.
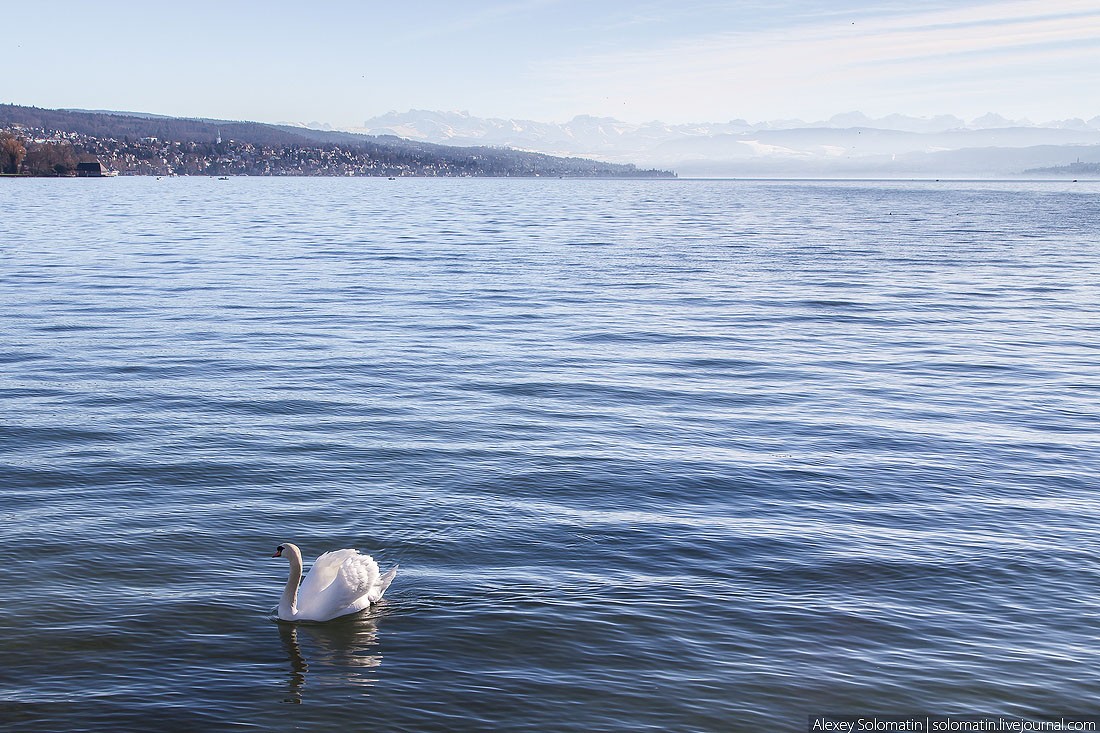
(678,61)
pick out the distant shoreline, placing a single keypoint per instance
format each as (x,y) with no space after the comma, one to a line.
(743,179)
(57,141)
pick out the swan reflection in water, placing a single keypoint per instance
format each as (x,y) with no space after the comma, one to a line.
(339,652)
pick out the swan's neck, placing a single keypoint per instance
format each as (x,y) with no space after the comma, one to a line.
(288,605)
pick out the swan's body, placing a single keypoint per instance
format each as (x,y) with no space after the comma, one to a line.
(340,582)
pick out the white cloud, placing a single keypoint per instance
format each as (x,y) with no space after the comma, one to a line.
(1023,57)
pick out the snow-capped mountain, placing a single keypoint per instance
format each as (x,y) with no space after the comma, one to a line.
(846,144)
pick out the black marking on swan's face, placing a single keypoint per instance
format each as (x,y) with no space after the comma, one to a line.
(279,551)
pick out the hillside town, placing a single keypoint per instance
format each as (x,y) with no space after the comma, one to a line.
(51,152)
(36,142)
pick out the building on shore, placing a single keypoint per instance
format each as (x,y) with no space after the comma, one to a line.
(94,169)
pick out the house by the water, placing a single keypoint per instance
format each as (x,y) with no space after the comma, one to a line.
(95,169)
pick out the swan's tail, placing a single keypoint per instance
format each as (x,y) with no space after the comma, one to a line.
(385,580)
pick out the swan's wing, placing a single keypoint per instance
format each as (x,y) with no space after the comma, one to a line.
(353,584)
(320,577)
(346,580)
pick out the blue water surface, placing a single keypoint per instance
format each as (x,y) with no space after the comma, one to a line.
(651,455)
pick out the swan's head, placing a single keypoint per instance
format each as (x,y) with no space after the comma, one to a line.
(288,548)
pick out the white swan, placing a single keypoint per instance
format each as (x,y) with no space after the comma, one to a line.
(340,582)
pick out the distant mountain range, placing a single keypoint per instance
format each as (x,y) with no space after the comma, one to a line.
(850,144)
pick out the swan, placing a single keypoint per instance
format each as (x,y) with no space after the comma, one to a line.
(340,582)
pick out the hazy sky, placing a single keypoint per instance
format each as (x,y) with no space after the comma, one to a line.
(674,60)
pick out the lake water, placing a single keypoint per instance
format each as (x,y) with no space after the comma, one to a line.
(652,455)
